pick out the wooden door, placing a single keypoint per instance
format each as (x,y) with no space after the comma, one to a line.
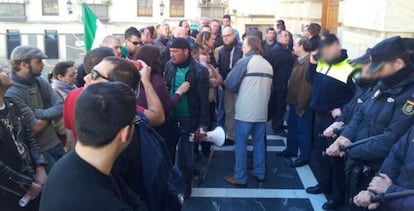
(330,11)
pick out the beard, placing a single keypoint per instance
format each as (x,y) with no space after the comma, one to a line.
(34,73)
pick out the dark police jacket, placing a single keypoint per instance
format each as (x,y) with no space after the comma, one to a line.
(17,171)
(399,166)
(333,83)
(362,93)
(384,116)
(197,96)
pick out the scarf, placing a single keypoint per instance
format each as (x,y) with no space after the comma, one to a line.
(397,77)
(227,54)
(56,84)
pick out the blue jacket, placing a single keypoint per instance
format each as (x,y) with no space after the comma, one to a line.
(399,166)
(383,116)
(333,83)
(362,93)
(282,62)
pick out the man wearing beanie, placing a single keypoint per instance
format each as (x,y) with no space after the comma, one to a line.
(191,113)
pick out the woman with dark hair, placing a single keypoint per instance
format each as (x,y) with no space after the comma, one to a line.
(63,78)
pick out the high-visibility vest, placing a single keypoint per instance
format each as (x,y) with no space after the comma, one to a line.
(339,71)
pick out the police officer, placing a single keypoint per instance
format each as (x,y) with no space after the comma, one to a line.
(384,117)
(333,87)
(396,174)
(364,85)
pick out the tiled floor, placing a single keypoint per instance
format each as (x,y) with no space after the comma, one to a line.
(283,189)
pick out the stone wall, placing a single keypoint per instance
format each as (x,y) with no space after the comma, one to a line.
(298,13)
(364,23)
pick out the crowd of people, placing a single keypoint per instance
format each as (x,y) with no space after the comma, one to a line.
(114,132)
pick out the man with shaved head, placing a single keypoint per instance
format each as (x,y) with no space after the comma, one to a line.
(114,43)
(203,22)
(180,32)
(228,56)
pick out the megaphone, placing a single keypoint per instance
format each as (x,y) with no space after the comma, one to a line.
(216,136)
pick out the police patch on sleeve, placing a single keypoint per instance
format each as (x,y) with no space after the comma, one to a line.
(408,108)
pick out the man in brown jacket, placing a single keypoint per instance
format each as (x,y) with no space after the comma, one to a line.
(300,116)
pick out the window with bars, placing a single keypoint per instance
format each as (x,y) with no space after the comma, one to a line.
(50,7)
(100,10)
(176,8)
(12,10)
(144,8)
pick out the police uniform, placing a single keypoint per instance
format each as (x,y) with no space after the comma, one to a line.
(333,87)
(364,88)
(384,117)
(399,166)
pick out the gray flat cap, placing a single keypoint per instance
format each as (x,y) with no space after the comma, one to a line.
(25,52)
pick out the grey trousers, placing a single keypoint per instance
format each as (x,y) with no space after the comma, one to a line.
(229,106)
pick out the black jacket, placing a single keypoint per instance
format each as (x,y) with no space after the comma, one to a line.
(198,77)
(17,171)
(399,166)
(237,54)
(267,50)
(282,62)
(384,117)
(315,42)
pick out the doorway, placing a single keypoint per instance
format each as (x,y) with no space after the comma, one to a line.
(330,11)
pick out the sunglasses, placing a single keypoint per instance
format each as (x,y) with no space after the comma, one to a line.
(95,75)
(136,43)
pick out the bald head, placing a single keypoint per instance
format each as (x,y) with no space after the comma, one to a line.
(114,43)
(203,21)
(228,35)
(180,32)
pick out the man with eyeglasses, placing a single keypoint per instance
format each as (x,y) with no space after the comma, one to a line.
(132,43)
(37,101)
(228,57)
(91,59)
(22,167)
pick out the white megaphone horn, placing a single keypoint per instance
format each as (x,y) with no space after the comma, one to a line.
(216,136)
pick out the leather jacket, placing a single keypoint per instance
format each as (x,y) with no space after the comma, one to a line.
(17,169)
(198,77)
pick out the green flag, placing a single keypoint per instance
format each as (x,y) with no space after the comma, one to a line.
(94,30)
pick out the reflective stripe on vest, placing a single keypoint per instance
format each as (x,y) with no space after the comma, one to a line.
(339,71)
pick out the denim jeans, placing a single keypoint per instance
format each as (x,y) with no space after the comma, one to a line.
(53,155)
(299,133)
(258,132)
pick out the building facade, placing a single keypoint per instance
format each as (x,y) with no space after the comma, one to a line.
(56,26)
(359,23)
